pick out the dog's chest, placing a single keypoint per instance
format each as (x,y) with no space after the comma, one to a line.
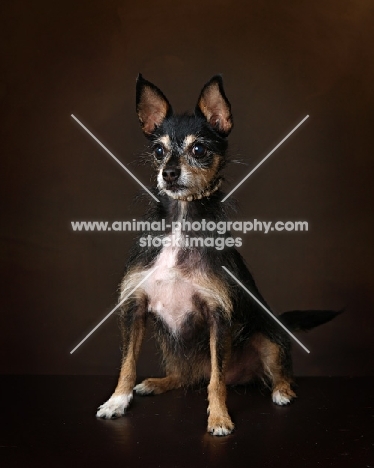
(170,292)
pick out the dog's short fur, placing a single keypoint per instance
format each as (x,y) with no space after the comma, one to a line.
(207,327)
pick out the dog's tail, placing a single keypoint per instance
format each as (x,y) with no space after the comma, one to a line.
(304,320)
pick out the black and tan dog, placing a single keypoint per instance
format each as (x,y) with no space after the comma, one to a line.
(207,327)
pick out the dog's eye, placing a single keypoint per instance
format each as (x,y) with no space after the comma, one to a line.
(198,150)
(159,151)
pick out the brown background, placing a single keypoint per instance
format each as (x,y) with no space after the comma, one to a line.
(280,60)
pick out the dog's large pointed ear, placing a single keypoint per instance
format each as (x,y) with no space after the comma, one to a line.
(215,107)
(152,106)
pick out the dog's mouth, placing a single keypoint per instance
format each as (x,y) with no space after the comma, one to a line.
(176,190)
(175,187)
(182,192)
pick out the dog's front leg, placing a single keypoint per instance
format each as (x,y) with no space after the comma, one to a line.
(133,327)
(219,421)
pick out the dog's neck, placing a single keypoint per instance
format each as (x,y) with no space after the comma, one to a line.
(209,208)
(198,196)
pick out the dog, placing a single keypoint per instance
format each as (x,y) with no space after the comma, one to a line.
(207,327)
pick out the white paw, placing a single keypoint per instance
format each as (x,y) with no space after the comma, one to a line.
(220,431)
(280,399)
(114,407)
(143,389)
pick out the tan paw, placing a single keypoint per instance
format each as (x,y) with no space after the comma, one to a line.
(220,425)
(283,395)
(144,388)
(156,386)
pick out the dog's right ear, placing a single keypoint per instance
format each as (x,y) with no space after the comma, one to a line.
(215,107)
(152,106)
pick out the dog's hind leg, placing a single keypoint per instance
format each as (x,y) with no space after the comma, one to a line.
(133,327)
(219,421)
(276,362)
(156,386)
(173,369)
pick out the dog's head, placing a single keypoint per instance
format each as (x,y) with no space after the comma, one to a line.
(188,150)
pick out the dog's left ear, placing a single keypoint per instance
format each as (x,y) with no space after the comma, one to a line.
(215,107)
(152,106)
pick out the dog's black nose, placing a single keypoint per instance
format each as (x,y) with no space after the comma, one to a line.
(171,174)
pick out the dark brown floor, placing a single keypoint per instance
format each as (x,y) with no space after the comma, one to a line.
(49,421)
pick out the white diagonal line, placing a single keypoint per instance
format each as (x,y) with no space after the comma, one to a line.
(115,308)
(117,160)
(266,309)
(265,158)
